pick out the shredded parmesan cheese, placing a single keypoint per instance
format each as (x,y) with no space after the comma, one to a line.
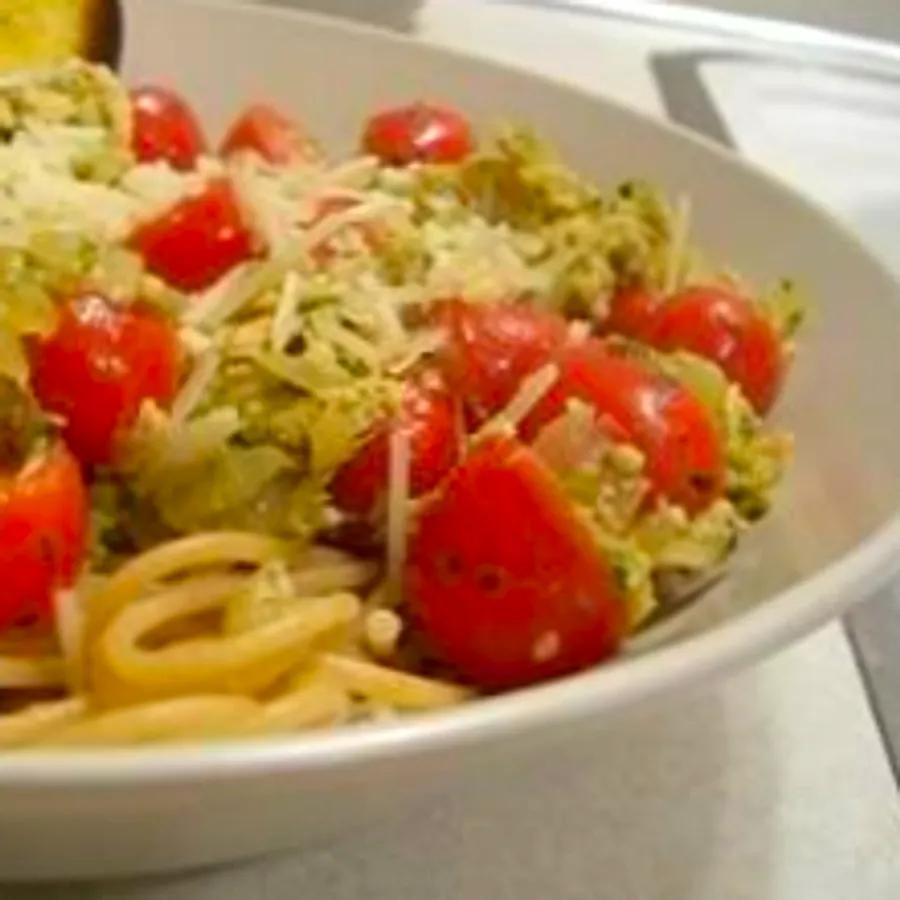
(240,286)
(195,387)
(424,343)
(195,342)
(284,319)
(579,331)
(270,213)
(331,224)
(397,512)
(531,391)
(356,172)
(677,245)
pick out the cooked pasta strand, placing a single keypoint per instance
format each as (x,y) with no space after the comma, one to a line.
(240,662)
(191,717)
(225,548)
(323,574)
(314,700)
(28,725)
(390,686)
(31,672)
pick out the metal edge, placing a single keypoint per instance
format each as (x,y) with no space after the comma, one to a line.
(685,97)
(873,631)
(686,65)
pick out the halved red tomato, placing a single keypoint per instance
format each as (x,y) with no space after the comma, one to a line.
(491,348)
(165,127)
(419,132)
(43,534)
(725,328)
(198,240)
(428,414)
(97,368)
(264,130)
(504,580)
(674,431)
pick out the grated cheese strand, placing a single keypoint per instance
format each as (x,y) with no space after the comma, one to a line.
(531,391)
(205,367)
(397,513)
(284,317)
(678,245)
(331,224)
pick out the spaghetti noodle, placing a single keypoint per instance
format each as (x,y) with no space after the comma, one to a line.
(199,681)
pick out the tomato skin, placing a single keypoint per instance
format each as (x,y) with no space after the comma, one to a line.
(429,416)
(726,329)
(490,348)
(684,458)
(419,132)
(196,241)
(43,534)
(165,128)
(262,129)
(632,312)
(504,581)
(98,366)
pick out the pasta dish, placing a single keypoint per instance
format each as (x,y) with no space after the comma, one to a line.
(289,440)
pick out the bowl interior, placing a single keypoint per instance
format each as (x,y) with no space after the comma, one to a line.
(843,391)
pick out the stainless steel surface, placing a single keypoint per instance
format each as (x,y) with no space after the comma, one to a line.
(875,632)
(875,18)
(798,39)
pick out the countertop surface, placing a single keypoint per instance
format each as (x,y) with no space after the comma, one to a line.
(772,785)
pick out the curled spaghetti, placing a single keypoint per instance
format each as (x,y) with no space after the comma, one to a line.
(230,663)
(196,551)
(169,650)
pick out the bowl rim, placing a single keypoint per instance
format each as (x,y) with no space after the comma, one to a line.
(752,634)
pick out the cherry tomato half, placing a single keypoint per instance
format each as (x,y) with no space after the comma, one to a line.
(198,240)
(164,128)
(43,528)
(420,132)
(684,460)
(632,312)
(262,129)
(504,580)
(490,348)
(726,329)
(99,365)
(428,414)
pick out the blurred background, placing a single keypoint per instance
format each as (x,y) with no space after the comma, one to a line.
(875,18)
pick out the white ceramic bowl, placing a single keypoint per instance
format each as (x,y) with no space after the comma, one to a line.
(833,537)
